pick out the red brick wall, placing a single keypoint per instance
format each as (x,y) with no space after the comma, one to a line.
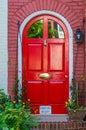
(72,10)
(61,126)
(85,32)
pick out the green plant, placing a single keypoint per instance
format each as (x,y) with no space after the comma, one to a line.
(74,88)
(36,30)
(19,95)
(72,103)
(16,117)
(52,32)
(15,90)
(3,99)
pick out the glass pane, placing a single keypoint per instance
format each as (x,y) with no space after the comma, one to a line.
(54,30)
(36,30)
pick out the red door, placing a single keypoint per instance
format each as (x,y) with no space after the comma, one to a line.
(45,64)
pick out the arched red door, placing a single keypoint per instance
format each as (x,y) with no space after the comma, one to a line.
(46,64)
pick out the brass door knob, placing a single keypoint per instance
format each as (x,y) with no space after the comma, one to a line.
(66,76)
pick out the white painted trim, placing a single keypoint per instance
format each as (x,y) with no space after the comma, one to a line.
(4,45)
(70,41)
(19,61)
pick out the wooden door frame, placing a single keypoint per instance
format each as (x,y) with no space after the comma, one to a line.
(70,38)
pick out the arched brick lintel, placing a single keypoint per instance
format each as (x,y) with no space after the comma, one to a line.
(58,7)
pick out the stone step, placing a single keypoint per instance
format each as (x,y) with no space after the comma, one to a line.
(52,118)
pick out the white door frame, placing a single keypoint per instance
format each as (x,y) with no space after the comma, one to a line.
(70,33)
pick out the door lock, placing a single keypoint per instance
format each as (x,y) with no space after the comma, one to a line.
(45,42)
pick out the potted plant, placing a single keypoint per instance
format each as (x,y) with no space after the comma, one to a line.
(76,112)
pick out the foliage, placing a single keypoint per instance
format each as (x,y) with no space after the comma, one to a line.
(74,91)
(3,99)
(36,30)
(52,32)
(72,102)
(15,115)
(18,96)
(15,90)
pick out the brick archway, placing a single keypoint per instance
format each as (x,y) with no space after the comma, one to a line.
(19,13)
(59,7)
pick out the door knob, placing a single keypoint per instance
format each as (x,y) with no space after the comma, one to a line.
(45,76)
(66,76)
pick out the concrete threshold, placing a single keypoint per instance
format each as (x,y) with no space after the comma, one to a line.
(52,117)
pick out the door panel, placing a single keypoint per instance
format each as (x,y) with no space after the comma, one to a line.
(34,57)
(45,51)
(35,88)
(56,56)
(56,92)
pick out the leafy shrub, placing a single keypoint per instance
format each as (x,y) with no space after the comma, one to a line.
(3,99)
(15,115)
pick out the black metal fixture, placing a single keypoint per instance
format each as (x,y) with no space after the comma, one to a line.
(79,35)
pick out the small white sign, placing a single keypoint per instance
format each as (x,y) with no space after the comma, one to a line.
(45,110)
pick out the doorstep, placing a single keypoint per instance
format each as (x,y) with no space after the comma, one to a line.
(52,118)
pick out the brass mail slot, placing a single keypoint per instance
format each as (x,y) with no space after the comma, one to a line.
(45,76)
